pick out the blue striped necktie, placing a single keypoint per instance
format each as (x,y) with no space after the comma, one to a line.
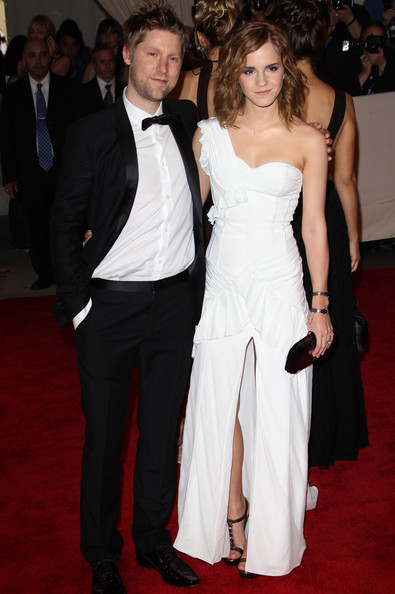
(45,159)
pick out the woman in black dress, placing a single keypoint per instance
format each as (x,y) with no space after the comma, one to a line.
(338,425)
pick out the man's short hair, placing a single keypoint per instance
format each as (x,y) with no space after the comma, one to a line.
(153,14)
(34,40)
(101,47)
(372,24)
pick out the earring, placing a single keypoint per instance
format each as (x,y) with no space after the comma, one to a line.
(199,48)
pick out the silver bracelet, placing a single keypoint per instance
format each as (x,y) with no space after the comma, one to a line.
(318,293)
(315,310)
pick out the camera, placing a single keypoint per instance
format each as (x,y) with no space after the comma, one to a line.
(339,4)
(373,43)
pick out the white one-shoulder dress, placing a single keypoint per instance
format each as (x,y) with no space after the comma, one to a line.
(254,310)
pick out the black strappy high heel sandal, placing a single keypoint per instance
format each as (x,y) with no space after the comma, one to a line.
(233,547)
(246,574)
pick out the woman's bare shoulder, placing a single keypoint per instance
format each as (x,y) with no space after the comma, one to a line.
(319,103)
(307,137)
(187,85)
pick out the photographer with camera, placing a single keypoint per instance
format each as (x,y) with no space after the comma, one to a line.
(341,60)
(344,12)
(378,61)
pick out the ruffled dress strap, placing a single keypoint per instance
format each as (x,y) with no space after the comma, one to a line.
(207,128)
(216,154)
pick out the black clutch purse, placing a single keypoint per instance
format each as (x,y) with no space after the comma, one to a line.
(300,354)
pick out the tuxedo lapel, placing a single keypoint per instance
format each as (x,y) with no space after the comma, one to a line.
(51,99)
(128,149)
(96,97)
(25,110)
(188,157)
(28,105)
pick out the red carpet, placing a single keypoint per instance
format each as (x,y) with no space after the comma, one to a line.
(349,536)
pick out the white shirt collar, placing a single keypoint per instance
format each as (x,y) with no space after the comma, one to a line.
(44,81)
(102,83)
(137,115)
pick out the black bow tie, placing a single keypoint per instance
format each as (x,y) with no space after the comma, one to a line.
(165,118)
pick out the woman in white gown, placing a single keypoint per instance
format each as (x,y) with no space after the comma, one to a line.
(247,421)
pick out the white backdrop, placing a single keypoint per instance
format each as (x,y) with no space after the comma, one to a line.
(376,180)
(87,13)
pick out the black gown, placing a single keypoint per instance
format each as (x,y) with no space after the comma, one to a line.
(338,422)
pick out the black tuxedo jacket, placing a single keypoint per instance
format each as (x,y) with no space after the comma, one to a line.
(18,128)
(91,97)
(96,190)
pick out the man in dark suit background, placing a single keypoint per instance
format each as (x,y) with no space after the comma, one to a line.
(30,171)
(134,291)
(104,88)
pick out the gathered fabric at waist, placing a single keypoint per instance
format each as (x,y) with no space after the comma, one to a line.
(251,223)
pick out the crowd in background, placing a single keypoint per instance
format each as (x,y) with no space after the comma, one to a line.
(358,57)
(348,55)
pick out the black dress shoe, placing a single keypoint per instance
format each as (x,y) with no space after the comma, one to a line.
(106,578)
(42,283)
(172,568)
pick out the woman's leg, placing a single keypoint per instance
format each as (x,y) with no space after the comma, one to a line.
(237,502)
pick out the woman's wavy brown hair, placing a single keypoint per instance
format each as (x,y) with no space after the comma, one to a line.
(229,99)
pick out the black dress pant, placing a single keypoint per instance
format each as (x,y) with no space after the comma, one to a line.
(38,203)
(154,329)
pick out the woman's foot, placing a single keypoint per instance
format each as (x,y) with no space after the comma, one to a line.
(237,536)
(242,570)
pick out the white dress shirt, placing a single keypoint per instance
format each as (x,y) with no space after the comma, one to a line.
(45,89)
(160,228)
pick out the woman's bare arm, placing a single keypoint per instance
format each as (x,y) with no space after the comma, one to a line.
(314,234)
(346,182)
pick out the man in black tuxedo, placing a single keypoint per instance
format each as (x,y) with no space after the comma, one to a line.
(134,291)
(104,88)
(29,174)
